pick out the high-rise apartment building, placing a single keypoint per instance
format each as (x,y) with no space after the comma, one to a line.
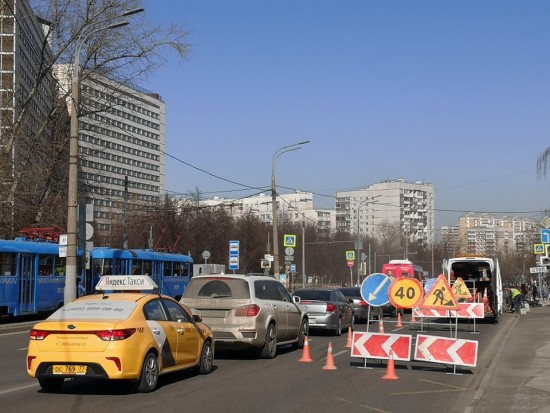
(489,235)
(26,99)
(409,206)
(122,144)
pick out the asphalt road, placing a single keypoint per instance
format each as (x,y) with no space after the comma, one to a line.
(241,383)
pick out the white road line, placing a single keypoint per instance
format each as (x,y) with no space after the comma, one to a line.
(29,386)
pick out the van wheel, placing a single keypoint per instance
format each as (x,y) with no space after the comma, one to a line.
(269,351)
(149,374)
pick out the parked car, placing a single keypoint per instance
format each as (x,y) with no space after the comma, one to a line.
(360,306)
(134,336)
(328,309)
(253,311)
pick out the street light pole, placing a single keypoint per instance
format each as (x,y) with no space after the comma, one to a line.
(358,246)
(69,293)
(362,203)
(274,212)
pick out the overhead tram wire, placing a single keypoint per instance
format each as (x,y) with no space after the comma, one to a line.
(210,173)
(329,196)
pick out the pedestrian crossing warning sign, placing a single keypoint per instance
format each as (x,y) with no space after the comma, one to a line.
(290,240)
(460,290)
(440,296)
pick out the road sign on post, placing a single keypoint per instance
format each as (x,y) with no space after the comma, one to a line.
(233,255)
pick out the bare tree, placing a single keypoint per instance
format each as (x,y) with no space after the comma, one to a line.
(542,163)
(33,180)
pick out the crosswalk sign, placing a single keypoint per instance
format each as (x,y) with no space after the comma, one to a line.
(460,290)
(350,255)
(440,296)
(290,240)
(539,249)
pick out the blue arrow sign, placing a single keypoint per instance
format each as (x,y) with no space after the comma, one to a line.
(545,236)
(374,289)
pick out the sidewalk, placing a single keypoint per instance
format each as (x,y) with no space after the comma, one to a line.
(518,379)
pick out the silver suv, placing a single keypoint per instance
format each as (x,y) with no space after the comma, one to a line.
(247,311)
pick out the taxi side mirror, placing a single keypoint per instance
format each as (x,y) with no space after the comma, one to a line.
(197,318)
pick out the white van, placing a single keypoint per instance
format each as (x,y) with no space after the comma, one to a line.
(480,274)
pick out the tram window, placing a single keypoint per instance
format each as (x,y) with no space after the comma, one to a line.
(60,266)
(45,264)
(7,264)
(168,272)
(147,268)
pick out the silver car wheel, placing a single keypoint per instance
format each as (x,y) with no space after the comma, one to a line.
(338,331)
(207,358)
(149,374)
(269,350)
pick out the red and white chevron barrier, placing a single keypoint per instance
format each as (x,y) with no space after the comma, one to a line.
(429,313)
(469,310)
(446,350)
(378,346)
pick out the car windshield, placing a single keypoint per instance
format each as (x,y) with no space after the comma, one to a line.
(317,295)
(217,288)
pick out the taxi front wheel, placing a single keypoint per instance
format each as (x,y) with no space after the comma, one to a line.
(149,374)
(206,359)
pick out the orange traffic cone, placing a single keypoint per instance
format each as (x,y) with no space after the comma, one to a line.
(305,354)
(399,323)
(390,371)
(381,326)
(486,301)
(349,344)
(330,360)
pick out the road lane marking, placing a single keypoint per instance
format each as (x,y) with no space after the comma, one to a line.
(450,388)
(373,409)
(29,386)
(11,333)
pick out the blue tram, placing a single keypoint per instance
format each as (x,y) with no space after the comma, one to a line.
(170,271)
(32,275)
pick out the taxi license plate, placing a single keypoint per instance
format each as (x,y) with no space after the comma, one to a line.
(69,369)
(311,321)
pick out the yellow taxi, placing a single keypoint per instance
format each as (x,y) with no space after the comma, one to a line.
(123,333)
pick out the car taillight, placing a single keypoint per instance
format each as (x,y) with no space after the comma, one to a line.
(115,335)
(363,304)
(251,310)
(330,308)
(39,334)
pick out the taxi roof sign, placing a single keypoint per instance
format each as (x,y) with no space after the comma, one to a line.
(440,296)
(126,283)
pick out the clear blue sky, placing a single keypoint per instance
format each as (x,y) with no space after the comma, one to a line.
(453,93)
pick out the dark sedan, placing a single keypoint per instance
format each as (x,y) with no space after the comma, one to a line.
(360,306)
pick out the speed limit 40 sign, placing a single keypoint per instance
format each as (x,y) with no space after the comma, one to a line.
(405,292)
